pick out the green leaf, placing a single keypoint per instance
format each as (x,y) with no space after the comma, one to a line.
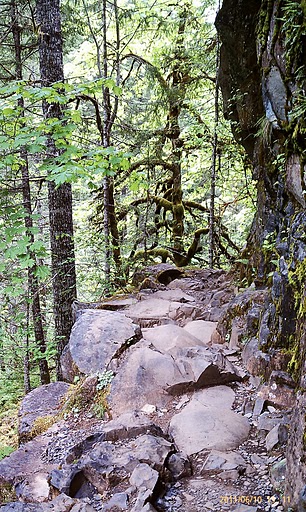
(42,272)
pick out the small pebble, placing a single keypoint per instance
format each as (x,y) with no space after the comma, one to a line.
(210,505)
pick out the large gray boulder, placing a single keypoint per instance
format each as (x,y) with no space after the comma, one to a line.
(208,423)
(142,379)
(96,338)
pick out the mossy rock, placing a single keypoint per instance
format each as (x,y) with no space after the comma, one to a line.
(162,273)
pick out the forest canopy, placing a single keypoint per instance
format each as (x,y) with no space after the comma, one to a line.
(114,154)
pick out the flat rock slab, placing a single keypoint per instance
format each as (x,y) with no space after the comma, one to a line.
(25,462)
(156,310)
(97,337)
(113,304)
(142,379)
(201,329)
(176,295)
(208,423)
(220,461)
(167,338)
(39,403)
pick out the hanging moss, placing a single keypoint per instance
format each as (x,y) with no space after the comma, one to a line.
(263,27)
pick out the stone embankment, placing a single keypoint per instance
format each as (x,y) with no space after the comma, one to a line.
(163,410)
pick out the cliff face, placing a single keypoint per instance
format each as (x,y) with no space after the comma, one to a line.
(263,82)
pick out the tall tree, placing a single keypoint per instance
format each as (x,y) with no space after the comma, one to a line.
(34,292)
(60,198)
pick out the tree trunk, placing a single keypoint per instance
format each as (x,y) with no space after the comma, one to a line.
(176,97)
(26,194)
(109,115)
(214,164)
(60,199)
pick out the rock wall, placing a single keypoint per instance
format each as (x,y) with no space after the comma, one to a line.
(262,77)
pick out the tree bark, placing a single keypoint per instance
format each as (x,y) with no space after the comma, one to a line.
(214,164)
(60,199)
(27,204)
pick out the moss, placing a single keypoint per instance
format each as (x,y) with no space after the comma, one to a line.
(263,27)
(294,364)
(164,254)
(297,279)
(100,406)
(178,210)
(79,396)
(7,493)
(86,395)
(40,425)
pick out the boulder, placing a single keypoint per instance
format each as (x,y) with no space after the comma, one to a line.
(201,329)
(277,394)
(61,503)
(166,338)
(20,507)
(278,435)
(278,475)
(126,427)
(163,273)
(295,477)
(201,367)
(142,379)
(267,421)
(208,423)
(119,501)
(96,338)
(35,487)
(257,362)
(144,476)
(175,295)
(220,461)
(40,407)
(117,303)
(179,466)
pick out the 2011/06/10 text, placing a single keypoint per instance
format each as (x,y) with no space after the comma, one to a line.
(253,499)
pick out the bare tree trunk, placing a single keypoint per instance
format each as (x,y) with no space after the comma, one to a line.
(60,199)
(109,116)
(26,194)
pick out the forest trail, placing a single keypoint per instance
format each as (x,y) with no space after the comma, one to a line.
(188,428)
